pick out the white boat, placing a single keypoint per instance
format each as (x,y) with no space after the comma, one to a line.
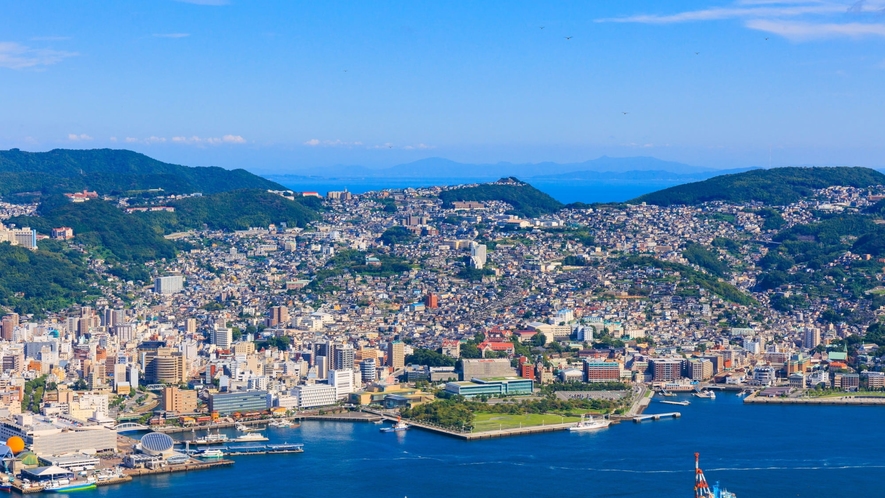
(590,424)
(706,394)
(280,424)
(398,427)
(211,439)
(245,428)
(66,486)
(665,393)
(252,437)
(680,403)
(211,453)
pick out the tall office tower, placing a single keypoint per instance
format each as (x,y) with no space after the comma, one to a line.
(125,332)
(279,315)
(9,323)
(222,337)
(111,317)
(367,369)
(191,325)
(344,355)
(396,354)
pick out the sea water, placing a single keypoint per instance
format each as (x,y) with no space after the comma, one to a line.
(565,191)
(755,451)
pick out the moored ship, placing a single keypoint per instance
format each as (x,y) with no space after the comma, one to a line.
(398,427)
(590,424)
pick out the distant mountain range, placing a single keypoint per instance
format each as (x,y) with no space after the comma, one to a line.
(435,167)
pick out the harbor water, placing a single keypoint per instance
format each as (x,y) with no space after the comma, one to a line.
(754,450)
(563,191)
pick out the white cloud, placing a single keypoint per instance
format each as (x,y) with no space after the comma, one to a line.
(720,13)
(795,20)
(73,137)
(418,147)
(17,56)
(131,140)
(113,139)
(803,31)
(195,140)
(233,139)
(171,35)
(154,140)
(314,142)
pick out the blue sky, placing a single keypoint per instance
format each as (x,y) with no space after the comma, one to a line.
(278,86)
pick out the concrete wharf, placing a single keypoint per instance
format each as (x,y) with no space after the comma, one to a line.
(656,416)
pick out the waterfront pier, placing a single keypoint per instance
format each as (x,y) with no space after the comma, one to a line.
(656,416)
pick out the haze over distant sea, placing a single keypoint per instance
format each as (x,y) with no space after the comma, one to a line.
(605,179)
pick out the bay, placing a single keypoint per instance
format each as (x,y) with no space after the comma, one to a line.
(754,450)
(563,191)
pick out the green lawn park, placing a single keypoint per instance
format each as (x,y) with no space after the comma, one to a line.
(494,421)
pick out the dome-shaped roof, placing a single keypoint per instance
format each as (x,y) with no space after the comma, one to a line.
(157,442)
(28,458)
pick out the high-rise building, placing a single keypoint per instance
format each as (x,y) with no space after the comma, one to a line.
(9,323)
(222,337)
(26,237)
(367,369)
(190,325)
(169,284)
(344,355)
(396,354)
(111,317)
(278,315)
(342,381)
(699,369)
(431,301)
(666,369)
(179,400)
(166,366)
(125,332)
(477,255)
(602,371)
(812,337)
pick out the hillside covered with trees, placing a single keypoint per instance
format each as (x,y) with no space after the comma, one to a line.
(527,201)
(774,187)
(237,210)
(113,172)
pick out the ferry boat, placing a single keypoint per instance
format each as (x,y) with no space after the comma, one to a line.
(680,403)
(706,394)
(252,437)
(211,439)
(590,424)
(399,427)
(211,453)
(66,486)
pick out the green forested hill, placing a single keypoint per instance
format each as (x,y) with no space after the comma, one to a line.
(33,281)
(774,187)
(100,225)
(527,201)
(236,210)
(109,171)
